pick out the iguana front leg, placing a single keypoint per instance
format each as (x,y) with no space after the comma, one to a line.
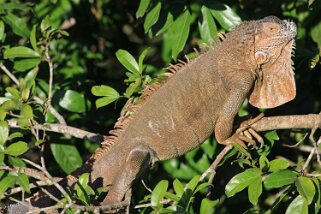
(239,88)
(139,159)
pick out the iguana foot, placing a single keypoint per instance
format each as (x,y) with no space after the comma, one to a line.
(245,134)
(246,130)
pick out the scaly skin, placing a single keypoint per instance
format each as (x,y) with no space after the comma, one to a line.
(201,98)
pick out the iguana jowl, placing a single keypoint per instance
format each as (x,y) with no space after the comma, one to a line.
(202,97)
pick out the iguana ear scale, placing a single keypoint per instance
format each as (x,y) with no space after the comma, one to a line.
(260,57)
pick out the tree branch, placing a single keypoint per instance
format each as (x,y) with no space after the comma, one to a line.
(30,172)
(308,121)
(64,129)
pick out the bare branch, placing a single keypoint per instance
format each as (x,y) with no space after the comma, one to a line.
(64,129)
(307,121)
(56,184)
(10,75)
(30,172)
(46,182)
(218,159)
(48,59)
(52,110)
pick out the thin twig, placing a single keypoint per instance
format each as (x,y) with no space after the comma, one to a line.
(146,187)
(56,184)
(48,59)
(10,75)
(52,110)
(218,159)
(298,143)
(50,195)
(315,145)
(13,191)
(163,201)
(30,172)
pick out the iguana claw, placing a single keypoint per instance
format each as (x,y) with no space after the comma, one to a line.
(246,134)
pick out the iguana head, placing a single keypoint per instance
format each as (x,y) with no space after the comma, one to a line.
(273,43)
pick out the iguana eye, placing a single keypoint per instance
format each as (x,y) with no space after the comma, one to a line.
(271,28)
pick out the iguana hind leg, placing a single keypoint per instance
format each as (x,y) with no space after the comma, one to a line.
(139,159)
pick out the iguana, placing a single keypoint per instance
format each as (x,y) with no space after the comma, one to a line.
(200,98)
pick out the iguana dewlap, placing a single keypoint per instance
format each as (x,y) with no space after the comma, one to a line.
(200,99)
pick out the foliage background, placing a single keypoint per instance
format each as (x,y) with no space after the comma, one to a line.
(87,57)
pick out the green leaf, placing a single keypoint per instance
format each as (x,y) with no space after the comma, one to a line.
(208,27)
(132,88)
(278,164)
(193,183)
(143,5)
(83,180)
(67,156)
(241,181)
(27,112)
(110,95)
(280,178)
(255,190)
(17,148)
(128,61)
(26,64)
(101,102)
(28,83)
(306,188)
(207,206)
(272,136)
(172,196)
(15,135)
(1,30)
(18,25)
(7,182)
(4,132)
(104,90)
(298,206)
(164,23)
(82,188)
(201,186)
(178,187)
(33,38)
(141,59)
(16,161)
(38,142)
(224,14)
(14,92)
(241,149)
(20,51)
(317,199)
(152,16)
(15,6)
(45,24)
(74,101)
(10,105)
(179,32)
(159,192)
(316,33)
(1,158)
(264,163)
(23,181)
